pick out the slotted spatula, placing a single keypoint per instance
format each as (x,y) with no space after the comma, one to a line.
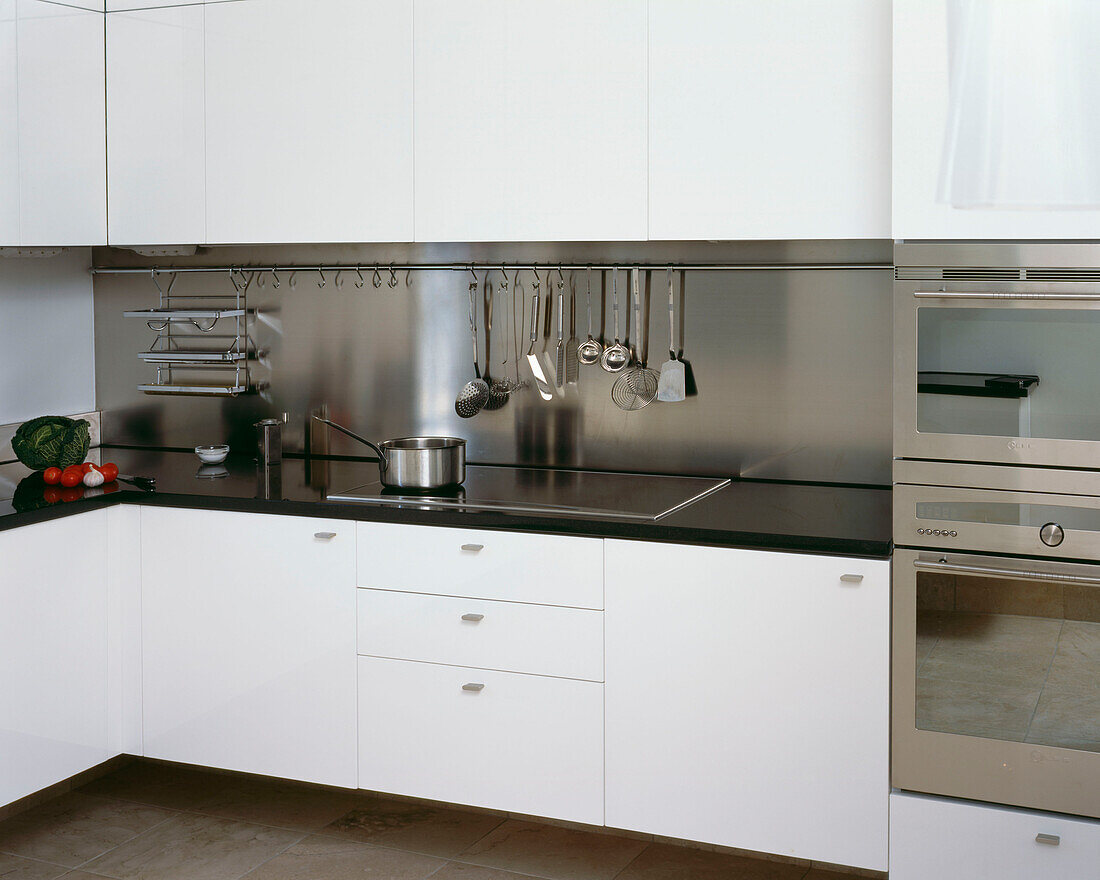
(672,385)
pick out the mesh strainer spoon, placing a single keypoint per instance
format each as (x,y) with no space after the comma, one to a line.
(637,387)
(475,393)
(589,351)
(615,356)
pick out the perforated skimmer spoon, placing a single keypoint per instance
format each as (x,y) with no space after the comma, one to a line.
(475,393)
(615,356)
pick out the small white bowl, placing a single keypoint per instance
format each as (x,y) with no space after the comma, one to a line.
(212,454)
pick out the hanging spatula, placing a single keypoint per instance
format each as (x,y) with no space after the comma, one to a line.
(671,385)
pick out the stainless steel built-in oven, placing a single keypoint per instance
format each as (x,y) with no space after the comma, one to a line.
(997,353)
(996,635)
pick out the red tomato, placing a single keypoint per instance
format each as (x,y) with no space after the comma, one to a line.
(109,471)
(108,488)
(72,493)
(87,466)
(71,477)
(51,476)
(51,494)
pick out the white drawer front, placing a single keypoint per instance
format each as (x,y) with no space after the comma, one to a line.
(507,636)
(520,743)
(957,840)
(516,567)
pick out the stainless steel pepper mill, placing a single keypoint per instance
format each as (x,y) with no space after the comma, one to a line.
(269,441)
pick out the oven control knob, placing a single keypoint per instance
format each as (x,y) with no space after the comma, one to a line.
(1051,534)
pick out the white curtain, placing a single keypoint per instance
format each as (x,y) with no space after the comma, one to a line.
(1023,126)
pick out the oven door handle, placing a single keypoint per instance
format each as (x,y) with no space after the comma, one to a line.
(998,295)
(1013,573)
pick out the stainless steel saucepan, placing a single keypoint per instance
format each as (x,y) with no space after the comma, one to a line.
(415,462)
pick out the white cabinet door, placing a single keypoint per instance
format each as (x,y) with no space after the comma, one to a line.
(747,699)
(521,743)
(53,652)
(995,130)
(9,126)
(962,840)
(248,638)
(156,141)
(62,118)
(769,120)
(309,121)
(123,5)
(530,120)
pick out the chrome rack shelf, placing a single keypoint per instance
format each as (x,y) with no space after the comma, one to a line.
(178,349)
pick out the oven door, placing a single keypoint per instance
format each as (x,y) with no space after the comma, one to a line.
(996,679)
(1007,374)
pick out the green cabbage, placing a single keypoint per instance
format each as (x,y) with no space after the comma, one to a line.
(51,441)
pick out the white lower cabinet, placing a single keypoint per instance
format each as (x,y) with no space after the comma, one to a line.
(248,643)
(747,699)
(934,838)
(53,652)
(522,743)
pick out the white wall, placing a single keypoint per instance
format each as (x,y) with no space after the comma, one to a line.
(47,354)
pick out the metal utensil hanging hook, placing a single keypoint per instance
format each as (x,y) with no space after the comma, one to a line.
(362,280)
(376,278)
(275,282)
(535,269)
(472,272)
(561,278)
(323,281)
(164,292)
(393,282)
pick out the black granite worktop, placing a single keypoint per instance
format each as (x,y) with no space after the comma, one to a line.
(799,517)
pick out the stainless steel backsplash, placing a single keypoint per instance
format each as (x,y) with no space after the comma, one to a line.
(793,367)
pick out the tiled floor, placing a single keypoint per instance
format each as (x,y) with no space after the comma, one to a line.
(1010,677)
(152,821)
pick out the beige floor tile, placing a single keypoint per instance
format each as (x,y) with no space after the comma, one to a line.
(76,827)
(1082,602)
(460,871)
(1002,596)
(15,868)
(193,847)
(423,828)
(555,853)
(935,592)
(1064,717)
(1001,631)
(1077,662)
(663,862)
(1025,669)
(975,709)
(331,859)
(173,786)
(273,802)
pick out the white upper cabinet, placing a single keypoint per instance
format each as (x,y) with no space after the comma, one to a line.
(61,120)
(530,120)
(747,699)
(309,121)
(996,134)
(123,5)
(769,120)
(9,126)
(156,145)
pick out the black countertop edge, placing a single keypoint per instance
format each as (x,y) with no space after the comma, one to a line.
(627,530)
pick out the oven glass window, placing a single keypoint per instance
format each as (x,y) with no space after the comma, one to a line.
(1009,660)
(1083,519)
(1009,372)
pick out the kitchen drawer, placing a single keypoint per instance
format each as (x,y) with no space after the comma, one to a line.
(945,839)
(513,566)
(521,743)
(509,636)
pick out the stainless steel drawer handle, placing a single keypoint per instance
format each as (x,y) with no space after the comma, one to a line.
(473,548)
(1015,574)
(474,686)
(324,536)
(1048,839)
(474,618)
(852,578)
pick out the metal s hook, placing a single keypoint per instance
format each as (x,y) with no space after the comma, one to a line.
(323,281)
(338,280)
(504,276)
(275,277)
(472,272)
(393,282)
(561,278)
(535,269)
(361,280)
(376,278)
(293,279)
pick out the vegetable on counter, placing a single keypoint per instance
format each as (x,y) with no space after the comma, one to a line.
(51,442)
(51,476)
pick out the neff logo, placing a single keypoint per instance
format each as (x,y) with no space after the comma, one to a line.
(1038,757)
(1019,444)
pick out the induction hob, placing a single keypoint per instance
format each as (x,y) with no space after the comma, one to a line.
(550,492)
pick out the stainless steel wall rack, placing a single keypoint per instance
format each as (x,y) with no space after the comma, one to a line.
(212,364)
